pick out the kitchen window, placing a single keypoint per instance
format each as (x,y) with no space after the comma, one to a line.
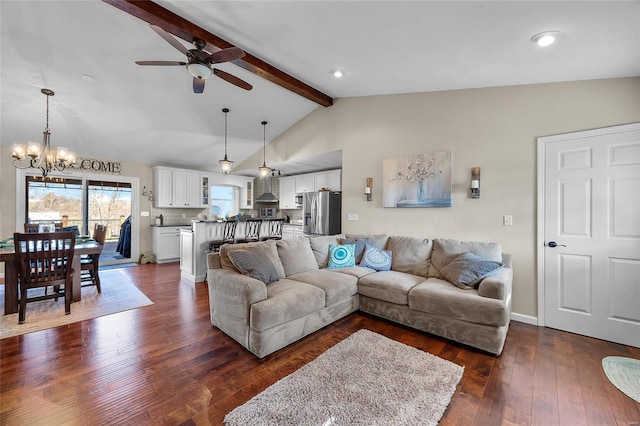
(224,201)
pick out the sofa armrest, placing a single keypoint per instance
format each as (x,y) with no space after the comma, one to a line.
(231,295)
(213,261)
(498,285)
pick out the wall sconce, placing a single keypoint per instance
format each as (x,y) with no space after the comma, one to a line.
(144,191)
(475,182)
(368,188)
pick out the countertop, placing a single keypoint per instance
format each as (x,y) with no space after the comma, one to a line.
(166,225)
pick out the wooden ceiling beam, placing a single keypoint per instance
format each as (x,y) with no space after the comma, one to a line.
(153,13)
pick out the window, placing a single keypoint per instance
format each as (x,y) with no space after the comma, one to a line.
(224,201)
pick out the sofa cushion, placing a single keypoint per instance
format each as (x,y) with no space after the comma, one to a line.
(341,256)
(320,248)
(356,271)
(467,270)
(438,297)
(337,287)
(252,261)
(444,251)
(360,246)
(296,256)
(269,248)
(286,300)
(411,255)
(377,259)
(376,240)
(390,286)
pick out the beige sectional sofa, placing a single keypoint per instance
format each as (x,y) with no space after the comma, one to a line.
(302,295)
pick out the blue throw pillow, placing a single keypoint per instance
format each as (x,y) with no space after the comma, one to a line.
(341,256)
(467,270)
(360,243)
(376,259)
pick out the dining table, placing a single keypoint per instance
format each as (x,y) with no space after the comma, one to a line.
(7,255)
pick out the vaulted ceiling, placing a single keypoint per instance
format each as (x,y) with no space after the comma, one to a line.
(108,107)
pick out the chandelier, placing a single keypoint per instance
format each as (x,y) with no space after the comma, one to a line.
(263,170)
(41,156)
(226,164)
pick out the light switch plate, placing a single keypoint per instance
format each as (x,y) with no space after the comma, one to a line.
(507,220)
(144,214)
(352,216)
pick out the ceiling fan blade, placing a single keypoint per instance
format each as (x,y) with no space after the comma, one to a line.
(232,79)
(169,38)
(198,85)
(225,55)
(162,63)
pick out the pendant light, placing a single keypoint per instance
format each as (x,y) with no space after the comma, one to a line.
(42,156)
(226,164)
(264,170)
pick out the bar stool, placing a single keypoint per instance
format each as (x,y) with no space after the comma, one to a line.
(251,231)
(275,230)
(228,236)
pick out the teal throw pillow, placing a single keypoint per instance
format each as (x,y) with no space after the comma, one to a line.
(254,262)
(341,256)
(376,259)
(467,270)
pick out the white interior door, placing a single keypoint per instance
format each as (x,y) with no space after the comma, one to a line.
(589,213)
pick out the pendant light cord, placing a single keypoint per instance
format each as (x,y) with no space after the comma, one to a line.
(264,144)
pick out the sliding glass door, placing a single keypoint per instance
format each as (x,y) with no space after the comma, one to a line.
(81,202)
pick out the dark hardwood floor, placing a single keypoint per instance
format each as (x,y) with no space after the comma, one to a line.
(166,364)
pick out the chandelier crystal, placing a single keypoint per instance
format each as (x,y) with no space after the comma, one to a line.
(263,170)
(226,164)
(41,156)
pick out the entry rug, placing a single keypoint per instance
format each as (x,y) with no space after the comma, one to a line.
(623,373)
(118,294)
(367,379)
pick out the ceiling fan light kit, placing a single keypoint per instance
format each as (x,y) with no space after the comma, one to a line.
(200,62)
(41,156)
(226,164)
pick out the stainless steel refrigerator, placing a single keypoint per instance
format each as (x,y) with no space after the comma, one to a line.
(321,213)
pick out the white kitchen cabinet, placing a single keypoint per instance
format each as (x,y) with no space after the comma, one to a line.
(305,183)
(319,181)
(288,193)
(177,188)
(166,243)
(333,180)
(246,194)
(289,232)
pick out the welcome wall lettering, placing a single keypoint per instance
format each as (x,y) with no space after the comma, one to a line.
(95,165)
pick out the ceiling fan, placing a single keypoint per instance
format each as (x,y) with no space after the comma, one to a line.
(200,63)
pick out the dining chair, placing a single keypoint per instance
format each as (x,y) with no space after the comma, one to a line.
(89,264)
(43,260)
(275,230)
(251,231)
(228,236)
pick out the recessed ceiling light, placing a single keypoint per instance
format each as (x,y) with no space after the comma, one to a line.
(338,73)
(546,38)
(88,78)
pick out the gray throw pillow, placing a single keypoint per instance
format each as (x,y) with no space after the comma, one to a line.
(360,243)
(254,262)
(467,270)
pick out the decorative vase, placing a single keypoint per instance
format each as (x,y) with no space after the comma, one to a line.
(421,192)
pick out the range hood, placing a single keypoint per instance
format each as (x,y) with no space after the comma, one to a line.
(268,196)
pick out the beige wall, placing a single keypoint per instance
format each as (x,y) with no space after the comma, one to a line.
(493,128)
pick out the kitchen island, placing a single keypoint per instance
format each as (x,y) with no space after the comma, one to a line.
(194,244)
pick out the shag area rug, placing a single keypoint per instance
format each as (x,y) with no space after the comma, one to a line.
(118,294)
(367,379)
(623,373)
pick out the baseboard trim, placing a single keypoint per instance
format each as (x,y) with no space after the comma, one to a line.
(527,319)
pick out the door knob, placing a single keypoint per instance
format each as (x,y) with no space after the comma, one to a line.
(554,244)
